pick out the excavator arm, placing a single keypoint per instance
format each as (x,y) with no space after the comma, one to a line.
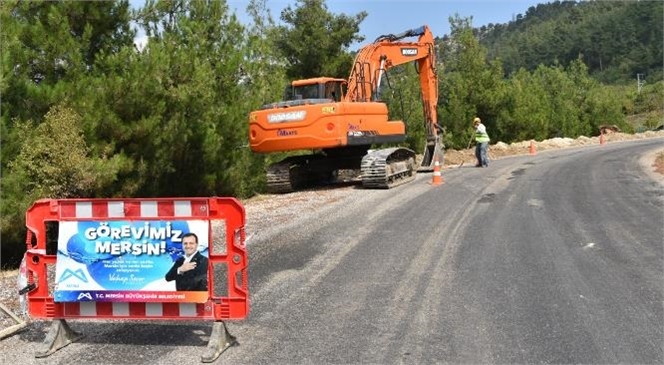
(388,51)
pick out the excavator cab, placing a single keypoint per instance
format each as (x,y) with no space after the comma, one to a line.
(318,88)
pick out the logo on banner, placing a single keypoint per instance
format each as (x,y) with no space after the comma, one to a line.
(79,274)
(84,295)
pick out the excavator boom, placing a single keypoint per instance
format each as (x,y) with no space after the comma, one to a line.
(388,51)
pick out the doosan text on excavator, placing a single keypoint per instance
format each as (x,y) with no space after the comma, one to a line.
(340,120)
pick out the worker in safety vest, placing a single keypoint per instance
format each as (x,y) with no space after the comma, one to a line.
(481,143)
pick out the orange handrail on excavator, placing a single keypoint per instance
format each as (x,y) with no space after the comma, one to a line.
(341,119)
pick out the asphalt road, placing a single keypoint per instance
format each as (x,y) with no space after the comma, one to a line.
(552,258)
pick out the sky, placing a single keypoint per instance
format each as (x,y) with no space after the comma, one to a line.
(396,16)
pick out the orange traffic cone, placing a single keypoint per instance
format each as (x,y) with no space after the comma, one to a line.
(437,177)
(601,138)
(532,151)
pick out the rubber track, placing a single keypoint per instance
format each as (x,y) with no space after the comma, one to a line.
(387,168)
(278,178)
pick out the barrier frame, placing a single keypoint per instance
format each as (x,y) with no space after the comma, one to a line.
(37,261)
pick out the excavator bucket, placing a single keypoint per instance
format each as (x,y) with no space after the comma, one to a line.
(434,150)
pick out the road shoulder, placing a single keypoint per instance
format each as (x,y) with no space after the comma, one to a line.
(647,162)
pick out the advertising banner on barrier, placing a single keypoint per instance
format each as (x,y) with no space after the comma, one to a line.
(132,261)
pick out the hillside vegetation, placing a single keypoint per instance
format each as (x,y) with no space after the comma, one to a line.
(616,40)
(87,114)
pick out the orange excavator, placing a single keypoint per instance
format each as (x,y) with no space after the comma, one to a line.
(341,119)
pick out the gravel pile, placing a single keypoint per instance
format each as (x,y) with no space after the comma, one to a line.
(502,149)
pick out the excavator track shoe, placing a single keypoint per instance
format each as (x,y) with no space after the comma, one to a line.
(387,168)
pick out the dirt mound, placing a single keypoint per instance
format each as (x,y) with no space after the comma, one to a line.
(502,149)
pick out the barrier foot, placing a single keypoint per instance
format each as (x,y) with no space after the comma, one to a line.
(59,336)
(220,340)
(19,325)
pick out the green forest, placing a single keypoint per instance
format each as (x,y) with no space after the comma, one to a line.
(86,113)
